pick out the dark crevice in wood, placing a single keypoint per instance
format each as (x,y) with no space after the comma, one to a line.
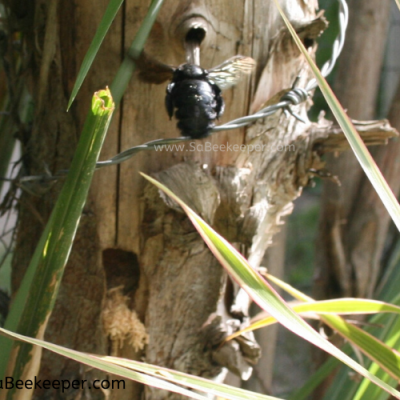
(122,269)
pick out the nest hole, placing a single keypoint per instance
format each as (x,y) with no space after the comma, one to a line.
(195,35)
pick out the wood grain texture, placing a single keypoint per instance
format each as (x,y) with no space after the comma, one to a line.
(350,242)
(353,225)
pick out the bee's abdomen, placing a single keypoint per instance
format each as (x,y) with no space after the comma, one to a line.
(196,106)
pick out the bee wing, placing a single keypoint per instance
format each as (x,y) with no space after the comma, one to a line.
(151,70)
(231,71)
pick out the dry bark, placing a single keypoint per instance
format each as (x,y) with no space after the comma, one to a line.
(353,221)
(352,229)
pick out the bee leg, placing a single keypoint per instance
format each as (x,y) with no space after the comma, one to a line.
(169,104)
(220,107)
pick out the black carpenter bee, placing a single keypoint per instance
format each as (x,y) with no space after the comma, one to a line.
(194,92)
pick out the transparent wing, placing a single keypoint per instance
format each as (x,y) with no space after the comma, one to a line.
(231,71)
(152,71)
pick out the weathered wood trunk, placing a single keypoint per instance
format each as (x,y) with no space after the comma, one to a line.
(352,229)
(134,252)
(354,222)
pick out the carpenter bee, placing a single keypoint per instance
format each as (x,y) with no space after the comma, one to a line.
(194,93)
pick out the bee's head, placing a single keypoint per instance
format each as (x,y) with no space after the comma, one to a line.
(189,71)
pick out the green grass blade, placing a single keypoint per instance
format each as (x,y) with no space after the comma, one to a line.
(194,382)
(384,326)
(348,306)
(367,391)
(162,378)
(124,74)
(345,388)
(360,150)
(387,328)
(262,293)
(353,306)
(127,67)
(289,289)
(390,333)
(336,306)
(386,357)
(105,23)
(34,301)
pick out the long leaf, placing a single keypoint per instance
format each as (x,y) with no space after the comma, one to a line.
(387,329)
(38,290)
(262,293)
(387,358)
(121,80)
(194,382)
(105,23)
(384,326)
(367,391)
(124,74)
(335,306)
(360,150)
(148,374)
